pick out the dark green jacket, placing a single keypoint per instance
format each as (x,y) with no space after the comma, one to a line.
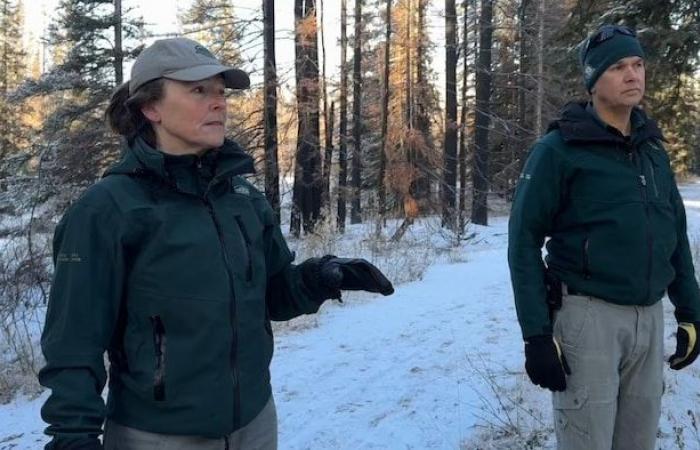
(175,266)
(611,208)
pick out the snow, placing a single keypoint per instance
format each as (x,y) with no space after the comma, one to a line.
(438,365)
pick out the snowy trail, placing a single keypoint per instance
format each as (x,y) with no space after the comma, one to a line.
(394,373)
(417,370)
(422,369)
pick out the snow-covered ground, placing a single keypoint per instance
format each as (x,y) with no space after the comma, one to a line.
(438,365)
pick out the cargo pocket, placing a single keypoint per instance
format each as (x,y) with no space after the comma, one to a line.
(571,320)
(571,417)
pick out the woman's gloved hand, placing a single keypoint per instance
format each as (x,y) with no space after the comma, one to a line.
(329,275)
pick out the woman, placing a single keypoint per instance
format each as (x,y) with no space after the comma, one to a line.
(174,265)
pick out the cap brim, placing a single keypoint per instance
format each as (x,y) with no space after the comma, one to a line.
(233,78)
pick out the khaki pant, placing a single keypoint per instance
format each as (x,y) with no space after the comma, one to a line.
(260,434)
(613,395)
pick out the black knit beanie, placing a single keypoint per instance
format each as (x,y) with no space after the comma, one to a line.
(609,44)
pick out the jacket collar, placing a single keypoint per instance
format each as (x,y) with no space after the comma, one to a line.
(580,124)
(140,158)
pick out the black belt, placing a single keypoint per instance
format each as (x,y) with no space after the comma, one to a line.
(571,291)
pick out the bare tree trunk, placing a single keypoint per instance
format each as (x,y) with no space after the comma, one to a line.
(327,160)
(328,127)
(540,67)
(356,207)
(118,48)
(307,191)
(463,122)
(297,190)
(480,173)
(343,148)
(272,185)
(409,79)
(385,119)
(423,169)
(522,130)
(449,182)
(409,203)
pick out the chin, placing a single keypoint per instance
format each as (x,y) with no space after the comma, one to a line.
(214,142)
(632,99)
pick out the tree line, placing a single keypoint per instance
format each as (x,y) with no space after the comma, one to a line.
(380,140)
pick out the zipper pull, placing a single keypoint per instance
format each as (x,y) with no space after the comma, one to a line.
(643,180)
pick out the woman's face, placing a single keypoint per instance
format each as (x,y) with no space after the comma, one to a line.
(191,116)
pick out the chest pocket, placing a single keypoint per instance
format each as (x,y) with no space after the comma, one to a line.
(247,238)
(603,177)
(660,176)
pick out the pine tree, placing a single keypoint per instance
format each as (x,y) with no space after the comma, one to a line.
(214,24)
(75,144)
(412,160)
(12,71)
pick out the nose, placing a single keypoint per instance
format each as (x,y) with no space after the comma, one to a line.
(218,102)
(632,73)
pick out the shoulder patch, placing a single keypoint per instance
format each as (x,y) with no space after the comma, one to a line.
(656,145)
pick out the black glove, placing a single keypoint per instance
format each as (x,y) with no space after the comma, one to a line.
(84,443)
(545,363)
(317,280)
(686,345)
(329,275)
(355,274)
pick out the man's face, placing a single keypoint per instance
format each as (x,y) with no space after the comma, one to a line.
(622,84)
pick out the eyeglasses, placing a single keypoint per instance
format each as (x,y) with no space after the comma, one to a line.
(607,32)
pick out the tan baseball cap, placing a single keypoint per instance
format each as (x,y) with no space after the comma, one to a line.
(182,59)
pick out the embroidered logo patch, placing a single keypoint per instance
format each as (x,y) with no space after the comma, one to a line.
(241,190)
(203,51)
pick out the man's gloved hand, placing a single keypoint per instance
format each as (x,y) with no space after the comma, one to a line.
(686,345)
(545,363)
(329,275)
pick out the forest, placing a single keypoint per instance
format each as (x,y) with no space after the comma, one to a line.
(430,114)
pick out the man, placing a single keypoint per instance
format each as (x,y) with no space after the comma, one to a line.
(600,186)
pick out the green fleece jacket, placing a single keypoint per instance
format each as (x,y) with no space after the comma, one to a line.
(610,207)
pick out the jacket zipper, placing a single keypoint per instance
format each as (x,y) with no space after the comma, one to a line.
(233,318)
(653,180)
(246,241)
(159,343)
(650,238)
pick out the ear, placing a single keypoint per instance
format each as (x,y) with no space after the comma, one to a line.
(151,112)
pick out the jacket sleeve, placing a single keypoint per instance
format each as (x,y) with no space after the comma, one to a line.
(683,290)
(287,295)
(81,317)
(536,203)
